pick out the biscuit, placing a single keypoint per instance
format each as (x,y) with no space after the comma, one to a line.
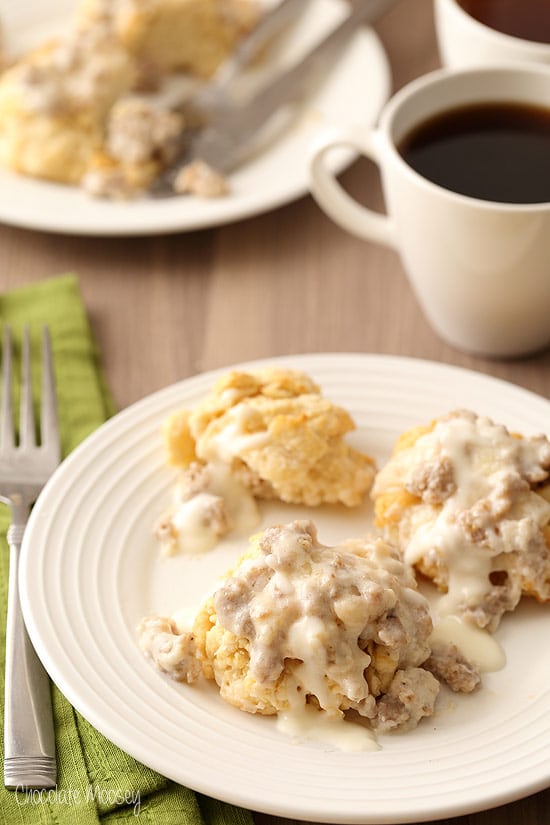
(280,437)
(468,503)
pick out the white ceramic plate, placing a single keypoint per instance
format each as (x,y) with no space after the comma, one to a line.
(354,93)
(90,570)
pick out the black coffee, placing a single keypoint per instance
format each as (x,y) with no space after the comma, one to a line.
(528,19)
(492,151)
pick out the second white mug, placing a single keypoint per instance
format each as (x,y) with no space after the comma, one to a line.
(464,41)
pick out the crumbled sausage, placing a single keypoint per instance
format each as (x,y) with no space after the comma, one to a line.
(201,179)
(195,478)
(139,131)
(450,666)
(433,482)
(410,696)
(172,652)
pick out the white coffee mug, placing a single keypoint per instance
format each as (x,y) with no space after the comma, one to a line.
(480,269)
(464,41)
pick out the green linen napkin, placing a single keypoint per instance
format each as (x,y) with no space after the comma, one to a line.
(97,782)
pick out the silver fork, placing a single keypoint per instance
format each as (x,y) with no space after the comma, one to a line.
(29,739)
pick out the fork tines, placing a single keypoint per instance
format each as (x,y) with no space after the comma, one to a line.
(48,410)
(6,407)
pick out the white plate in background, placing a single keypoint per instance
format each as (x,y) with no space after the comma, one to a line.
(353,94)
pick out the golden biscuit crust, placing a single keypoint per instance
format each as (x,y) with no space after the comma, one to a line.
(280,437)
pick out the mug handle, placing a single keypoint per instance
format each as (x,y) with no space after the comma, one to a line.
(341,207)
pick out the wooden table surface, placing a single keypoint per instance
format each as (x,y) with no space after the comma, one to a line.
(164,308)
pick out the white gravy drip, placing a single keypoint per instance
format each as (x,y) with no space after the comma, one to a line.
(492,510)
(309,724)
(223,504)
(196,522)
(236,437)
(477,645)
(196,530)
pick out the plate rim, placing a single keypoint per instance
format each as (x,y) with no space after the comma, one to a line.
(242,797)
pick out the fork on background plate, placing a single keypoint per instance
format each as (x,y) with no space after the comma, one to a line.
(26,463)
(227,130)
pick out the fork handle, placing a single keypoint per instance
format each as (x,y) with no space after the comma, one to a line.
(29,738)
